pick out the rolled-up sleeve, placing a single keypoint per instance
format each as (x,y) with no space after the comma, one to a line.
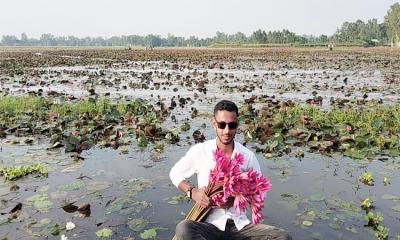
(184,168)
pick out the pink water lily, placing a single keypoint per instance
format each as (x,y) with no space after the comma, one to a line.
(247,188)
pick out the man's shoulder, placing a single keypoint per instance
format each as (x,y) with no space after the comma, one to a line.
(203,145)
(244,150)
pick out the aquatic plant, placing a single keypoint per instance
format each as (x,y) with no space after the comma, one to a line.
(367,178)
(366,204)
(359,132)
(16,172)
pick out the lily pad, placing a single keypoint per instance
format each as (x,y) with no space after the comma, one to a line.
(346,207)
(317,197)
(71,186)
(55,230)
(104,233)
(42,223)
(137,224)
(290,201)
(40,202)
(390,197)
(176,199)
(149,234)
(307,223)
(98,186)
(396,208)
(352,229)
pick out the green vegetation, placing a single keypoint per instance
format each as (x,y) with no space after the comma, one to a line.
(361,132)
(367,179)
(14,173)
(88,120)
(39,108)
(104,233)
(366,204)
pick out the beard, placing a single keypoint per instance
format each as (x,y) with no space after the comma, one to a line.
(226,139)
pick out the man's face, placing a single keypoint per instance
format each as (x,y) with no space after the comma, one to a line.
(225,124)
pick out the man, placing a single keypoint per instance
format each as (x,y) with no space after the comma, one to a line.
(220,223)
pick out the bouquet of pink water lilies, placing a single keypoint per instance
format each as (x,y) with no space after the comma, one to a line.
(246,188)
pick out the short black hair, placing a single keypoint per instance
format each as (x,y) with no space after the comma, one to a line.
(226,105)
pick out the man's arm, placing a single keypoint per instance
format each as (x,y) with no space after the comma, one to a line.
(198,195)
(184,169)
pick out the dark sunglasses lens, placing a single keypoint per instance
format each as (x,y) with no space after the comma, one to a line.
(221,125)
(231,125)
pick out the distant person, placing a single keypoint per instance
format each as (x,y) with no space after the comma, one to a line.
(220,223)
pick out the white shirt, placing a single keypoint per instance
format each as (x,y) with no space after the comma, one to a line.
(200,160)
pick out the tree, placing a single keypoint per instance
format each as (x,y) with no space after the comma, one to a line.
(9,40)
(259,36)
(392,22)
(24,39)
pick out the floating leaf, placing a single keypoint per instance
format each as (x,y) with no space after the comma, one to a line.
(351,229)
(317,197)
(55,230)
(396,208)
(70,208)
(42,223)
(72,186)
(104,233)
(149,234)
(40,202)
(307,223)
(390,197)
(98,186)
(137,224)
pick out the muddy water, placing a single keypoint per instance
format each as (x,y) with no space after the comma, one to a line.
(323,185)
(236,81)
(321,189)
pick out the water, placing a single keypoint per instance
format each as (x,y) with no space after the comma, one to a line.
(322,189)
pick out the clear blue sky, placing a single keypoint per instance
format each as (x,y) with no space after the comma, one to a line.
(201,18)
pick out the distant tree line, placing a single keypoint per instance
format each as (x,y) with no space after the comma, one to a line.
(358,33)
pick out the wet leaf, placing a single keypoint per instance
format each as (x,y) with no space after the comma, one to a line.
(98,186)
(84,210)
(16,208)
(40,202)
(70,208)
(396,208)
(71,186)
(104,233)
(55,230)
(137,224)
(352,229)
(307,223)
(149,234)
(390,197)
(317,197)
(185,127)
(42,223)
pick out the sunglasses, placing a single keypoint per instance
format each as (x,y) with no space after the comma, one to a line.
(231,125)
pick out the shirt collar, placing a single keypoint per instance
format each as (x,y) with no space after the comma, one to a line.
(214,147)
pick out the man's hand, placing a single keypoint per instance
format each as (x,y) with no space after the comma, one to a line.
(228,203)
(200,197)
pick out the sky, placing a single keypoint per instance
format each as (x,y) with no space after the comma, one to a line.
(201,18)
